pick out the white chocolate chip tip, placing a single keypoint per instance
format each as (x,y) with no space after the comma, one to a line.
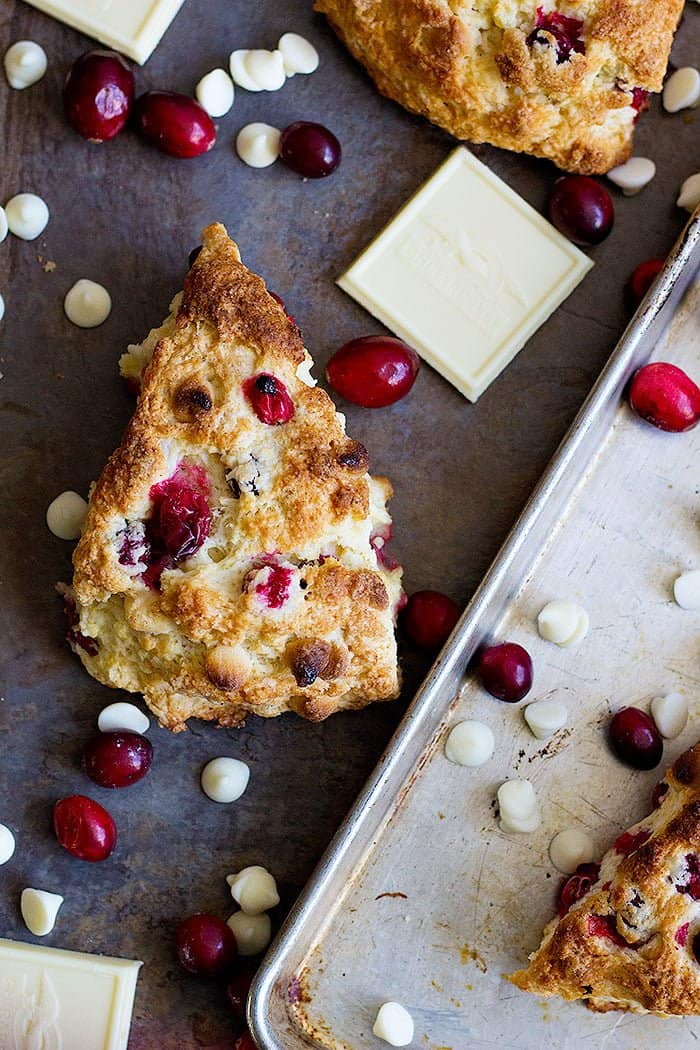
(25,64)
(87,304)
(469,743)
(518,806)
(689,193)
(569,848)
(252,932)
(545,717)
(298,54)
(7,844)
(681,90)
(686,590)
(27,216)
(394,1025)
(39,910)
(215,92)
(670,713)
(563,622)
(254,889)
(122,715)
(225,779)
(634,175)
(65,515)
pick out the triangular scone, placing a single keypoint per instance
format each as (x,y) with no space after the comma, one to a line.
(633,942)
(230,561)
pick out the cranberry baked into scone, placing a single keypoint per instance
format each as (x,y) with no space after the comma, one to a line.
(633,941)
(231,557)
(563,81)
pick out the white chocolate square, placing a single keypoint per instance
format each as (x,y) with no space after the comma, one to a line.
(134,27)
(466,273)
(64,1000)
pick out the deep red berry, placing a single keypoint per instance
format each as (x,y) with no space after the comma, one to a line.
(374,371)
(604,926)
(640,101)
(269,399)
(581,209)
(666,397)
(98,94)
(237,991)
(245,1042)
(566,31)
(659,793)
(681,935)
(641,281)
(428,618)
(84,828)
(310,149)
(505,671)
(117,759)
(690,881)
(178,526)
(630,841)
(205,945)
(270,582)
(175,123)
(635,739)
(576,886)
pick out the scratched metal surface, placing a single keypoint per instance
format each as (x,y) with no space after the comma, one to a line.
(127,216)
(422,874)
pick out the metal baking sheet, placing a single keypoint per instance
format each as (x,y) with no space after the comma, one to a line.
(422,898)
(127,216)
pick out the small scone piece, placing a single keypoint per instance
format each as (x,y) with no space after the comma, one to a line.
(229,560)
(564,81)
(633,941)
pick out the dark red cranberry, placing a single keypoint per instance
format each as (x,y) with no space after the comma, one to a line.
(237,991)
(640,101)
(205,945)
(641,281)
(428,618)
(269,581)
(666,397)
(117,759)
(280,301)
(97,95)
(581,209)
(681,935)
(269,399)
(84,828)
(604,926)
(630,841)
(75,638)
(310,149)
(659,793)
(691,877)
(576,886)
(374,371)
(565,30)
(180,520)
(245,1042)
(635,739)
(175,123)
(505,671)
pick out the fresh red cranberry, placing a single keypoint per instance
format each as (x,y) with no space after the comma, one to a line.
(604,926)
(237,991)
(280,301)
(205,945)
(576,886)
(641,281)
(581,209)
(75,638)
(427,619)
(378,541)
(269,399)
(84,828)
(245,1042)
(310,149)
(630,841)
(374,371)
(666,397)
(175,123)
(179,523)
(117,759)
(640,101)
(659,793)
(635,739)
(681,935)
(269,581)
(565,30)
(505,671)
(691,883)
(97,95)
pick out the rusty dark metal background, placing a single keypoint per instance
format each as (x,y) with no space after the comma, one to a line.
(127,216)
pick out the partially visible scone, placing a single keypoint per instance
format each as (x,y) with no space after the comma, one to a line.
(564,82)
(633,941)
(229,562)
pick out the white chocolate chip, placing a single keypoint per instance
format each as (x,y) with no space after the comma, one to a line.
(670,713)
(66,515)
(545,717)
(239,72)
(225,779)
(394,1025)
(266,69)
(563,622)
(7,844)
(518,806)
(298,55)
(3,225)
(469,744)
(254,889)
(122,716)
(25,64)
(27,216)
(2,308)
(682,90)
(634,175)
(303,371)
(689,194)
(215,92)
(686,590)
(87,304)
(570,848)
(252,932)
(258,145)
(39,910)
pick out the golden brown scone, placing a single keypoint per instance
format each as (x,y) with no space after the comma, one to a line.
(633,942)
(228,564)
(564,82)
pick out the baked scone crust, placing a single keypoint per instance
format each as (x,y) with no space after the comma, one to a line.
(649,902)
(473,69)
(296,496)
